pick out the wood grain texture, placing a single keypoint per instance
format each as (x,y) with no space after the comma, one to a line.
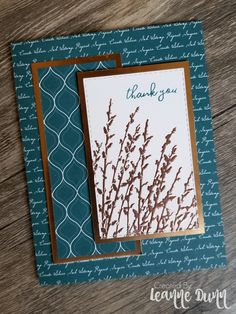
(31,19)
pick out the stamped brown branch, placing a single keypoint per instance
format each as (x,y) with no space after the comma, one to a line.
(131,203)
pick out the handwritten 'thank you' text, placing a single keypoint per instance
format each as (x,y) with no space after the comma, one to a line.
(135,92)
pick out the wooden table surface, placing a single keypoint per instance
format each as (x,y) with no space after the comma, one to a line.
(32,19)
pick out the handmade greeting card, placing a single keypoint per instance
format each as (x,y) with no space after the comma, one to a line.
(141,152)
(119,153)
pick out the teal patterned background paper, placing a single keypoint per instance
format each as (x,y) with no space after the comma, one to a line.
(67,163)
(137,46)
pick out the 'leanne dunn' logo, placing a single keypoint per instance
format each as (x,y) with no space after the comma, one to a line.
(180,295)
(134,92)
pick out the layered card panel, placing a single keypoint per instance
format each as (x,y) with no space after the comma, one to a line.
(144,176)
(64,162)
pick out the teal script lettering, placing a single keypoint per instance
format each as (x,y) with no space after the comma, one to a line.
(135,93)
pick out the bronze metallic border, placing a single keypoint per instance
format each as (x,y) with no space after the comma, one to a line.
(35,67)
(137,69)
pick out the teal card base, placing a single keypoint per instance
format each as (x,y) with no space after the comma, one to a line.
(137,46)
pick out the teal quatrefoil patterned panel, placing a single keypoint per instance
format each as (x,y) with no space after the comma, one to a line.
(67,162)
